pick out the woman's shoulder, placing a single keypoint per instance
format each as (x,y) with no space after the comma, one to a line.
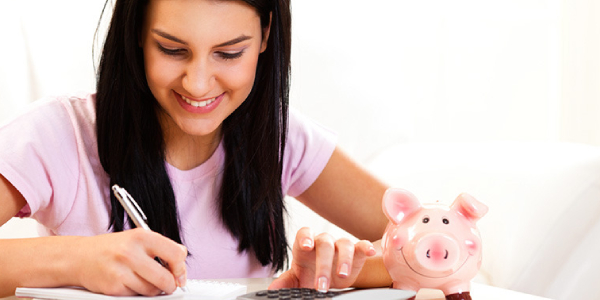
(67,119)
(49,108)
(309,146)
(305,132)
(49,141)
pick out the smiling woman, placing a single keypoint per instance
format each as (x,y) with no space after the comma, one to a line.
(200,73)
(191,117)
(179,66)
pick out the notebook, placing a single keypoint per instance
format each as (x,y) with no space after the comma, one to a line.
(197,290)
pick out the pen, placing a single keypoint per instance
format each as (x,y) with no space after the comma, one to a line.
(136,214)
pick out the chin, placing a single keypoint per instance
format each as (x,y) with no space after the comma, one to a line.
(200,131)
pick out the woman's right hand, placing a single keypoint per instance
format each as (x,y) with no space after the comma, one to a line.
(123,264)
(120,263)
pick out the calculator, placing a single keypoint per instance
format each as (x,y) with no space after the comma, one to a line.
(347,294)
(290,294)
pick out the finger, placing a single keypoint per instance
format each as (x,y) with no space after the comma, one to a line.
(140,286)
(125,283)
(119,291)
(366,247)
(113,288)
(362,250)
(170,253)
(325,251)
(345,255)
(176,263)
(304,240)
(153,273)
(285,280)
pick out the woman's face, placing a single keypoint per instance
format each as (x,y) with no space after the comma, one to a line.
(200,58)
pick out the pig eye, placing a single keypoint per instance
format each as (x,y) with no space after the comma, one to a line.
(445,221)
(426,220)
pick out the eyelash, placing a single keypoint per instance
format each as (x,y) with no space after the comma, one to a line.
(176,52)
(170,52)
(228,56)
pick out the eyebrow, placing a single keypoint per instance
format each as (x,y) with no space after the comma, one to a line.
(168,36)
(234,41)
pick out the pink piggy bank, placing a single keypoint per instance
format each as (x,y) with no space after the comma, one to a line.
(432,246)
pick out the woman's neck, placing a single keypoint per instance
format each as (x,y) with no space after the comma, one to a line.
(184,151)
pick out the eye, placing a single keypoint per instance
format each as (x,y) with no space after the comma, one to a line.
(446,221)
(426,220)
(169,51)
(230,55)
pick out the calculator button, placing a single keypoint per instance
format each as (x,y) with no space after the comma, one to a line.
(291,294)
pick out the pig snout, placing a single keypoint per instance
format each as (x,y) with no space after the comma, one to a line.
(437,252)
(434,255)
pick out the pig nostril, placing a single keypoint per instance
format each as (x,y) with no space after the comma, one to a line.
(429,255)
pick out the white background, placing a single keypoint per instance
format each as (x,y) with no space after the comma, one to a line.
(385,73)
(376,73)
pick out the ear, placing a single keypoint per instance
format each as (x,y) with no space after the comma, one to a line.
(469,207)
(398,204)
(265,34)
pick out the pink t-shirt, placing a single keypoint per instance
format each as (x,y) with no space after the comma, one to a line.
(50,155)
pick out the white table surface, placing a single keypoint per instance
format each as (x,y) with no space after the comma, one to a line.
(478,291)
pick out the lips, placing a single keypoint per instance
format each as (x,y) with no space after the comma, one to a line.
(198,103)
(199,106)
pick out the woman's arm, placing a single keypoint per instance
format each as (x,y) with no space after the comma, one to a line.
(115,263)
(20,260)
(350,197)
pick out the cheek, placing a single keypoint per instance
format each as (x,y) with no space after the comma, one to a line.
(240,77)
(160,73)
(398,239)
(472,246)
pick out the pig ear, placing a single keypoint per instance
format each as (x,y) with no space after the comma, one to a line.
(469,207)
(399,204)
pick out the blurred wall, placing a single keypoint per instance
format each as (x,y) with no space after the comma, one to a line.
(377,72)
(405,71)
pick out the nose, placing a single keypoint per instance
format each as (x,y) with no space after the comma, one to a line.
(199,78)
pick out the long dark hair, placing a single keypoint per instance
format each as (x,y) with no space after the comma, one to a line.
(132,149)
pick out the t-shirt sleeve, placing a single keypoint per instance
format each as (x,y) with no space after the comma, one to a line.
(38,155)
(308,149)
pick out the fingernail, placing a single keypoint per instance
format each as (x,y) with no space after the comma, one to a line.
(371,251)
(344,269)
(307,243)
(182,280)
(322,284)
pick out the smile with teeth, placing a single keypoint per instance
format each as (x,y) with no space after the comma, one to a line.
(198,103)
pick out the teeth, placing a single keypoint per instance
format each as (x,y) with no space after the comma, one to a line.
(198,103)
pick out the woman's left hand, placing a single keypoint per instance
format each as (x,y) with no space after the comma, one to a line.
(321,262)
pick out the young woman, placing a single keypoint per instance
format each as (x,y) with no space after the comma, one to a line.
(191,117)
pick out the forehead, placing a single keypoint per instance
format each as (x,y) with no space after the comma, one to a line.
(187,18)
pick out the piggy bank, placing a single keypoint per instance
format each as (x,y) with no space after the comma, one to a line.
(432,245)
